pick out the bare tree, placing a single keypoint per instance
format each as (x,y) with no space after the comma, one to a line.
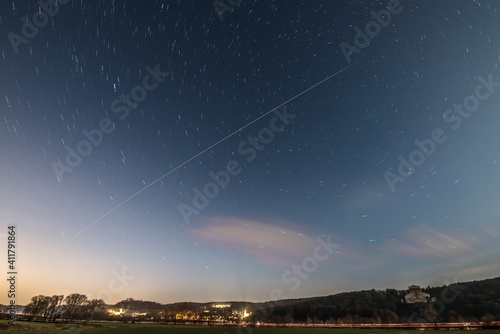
(92,308)
(37,306)
(55,305)
(74,305)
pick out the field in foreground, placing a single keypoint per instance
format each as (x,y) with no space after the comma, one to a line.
(169,329)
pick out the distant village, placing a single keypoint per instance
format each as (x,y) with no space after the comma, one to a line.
(464,303)
(138,311)
(133,310)
(212,313)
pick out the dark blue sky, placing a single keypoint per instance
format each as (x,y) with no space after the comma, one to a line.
(171,95)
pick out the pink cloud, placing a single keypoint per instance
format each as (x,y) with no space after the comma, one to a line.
(265,241)
(425,242)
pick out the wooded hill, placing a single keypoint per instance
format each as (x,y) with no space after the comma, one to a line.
(459,302)
(469,301)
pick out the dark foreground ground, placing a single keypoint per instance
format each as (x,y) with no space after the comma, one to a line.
(171,329)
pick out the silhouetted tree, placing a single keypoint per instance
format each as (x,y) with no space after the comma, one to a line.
(91,308)
(74,306)
(37,306)
(55,304)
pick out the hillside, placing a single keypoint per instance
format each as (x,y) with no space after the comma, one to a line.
(467,301)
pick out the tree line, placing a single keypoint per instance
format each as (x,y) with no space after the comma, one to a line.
(57,307)
(458,302)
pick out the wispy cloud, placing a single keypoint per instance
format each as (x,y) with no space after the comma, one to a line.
(267,242)
(426,242)
(489,270)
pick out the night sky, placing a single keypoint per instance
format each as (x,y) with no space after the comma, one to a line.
(162,150)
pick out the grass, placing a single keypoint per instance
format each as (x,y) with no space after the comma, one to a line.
(116,328)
